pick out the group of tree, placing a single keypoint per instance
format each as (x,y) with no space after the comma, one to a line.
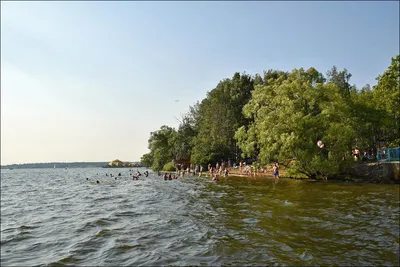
(280,116)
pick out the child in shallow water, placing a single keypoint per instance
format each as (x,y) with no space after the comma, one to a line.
(276,170)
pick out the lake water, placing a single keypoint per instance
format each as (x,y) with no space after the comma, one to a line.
(55,217)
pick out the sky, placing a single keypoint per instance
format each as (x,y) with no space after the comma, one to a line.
(89,81)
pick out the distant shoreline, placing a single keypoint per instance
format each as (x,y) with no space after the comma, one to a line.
(56,165)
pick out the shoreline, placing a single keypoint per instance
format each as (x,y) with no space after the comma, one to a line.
(265,176)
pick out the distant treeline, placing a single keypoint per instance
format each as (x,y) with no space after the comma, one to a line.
(282,116)
(56,164)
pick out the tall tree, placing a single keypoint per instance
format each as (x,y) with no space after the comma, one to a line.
(291,113)
(220,114)
(387,98)
(366,117)
(160,145)
(182,140)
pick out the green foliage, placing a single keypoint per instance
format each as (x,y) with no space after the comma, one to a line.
(147,159)
(160,143)
(280,116)
(169,167)
(290,114)
(181,141)
(220,114)
(387,98)
(340,79)
(366,116)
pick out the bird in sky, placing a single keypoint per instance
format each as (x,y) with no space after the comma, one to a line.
(176,100)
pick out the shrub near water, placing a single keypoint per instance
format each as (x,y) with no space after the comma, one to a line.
(169,167)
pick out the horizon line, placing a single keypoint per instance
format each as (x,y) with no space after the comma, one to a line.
(54,162)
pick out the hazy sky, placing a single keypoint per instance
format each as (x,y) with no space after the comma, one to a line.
(88,81)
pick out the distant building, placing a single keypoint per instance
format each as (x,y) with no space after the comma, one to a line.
(116,163)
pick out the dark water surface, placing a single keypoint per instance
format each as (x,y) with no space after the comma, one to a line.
(55,217)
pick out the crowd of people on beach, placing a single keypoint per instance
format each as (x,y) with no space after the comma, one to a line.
(220,169)
(255,169)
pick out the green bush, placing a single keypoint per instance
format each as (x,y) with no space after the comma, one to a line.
(169,167)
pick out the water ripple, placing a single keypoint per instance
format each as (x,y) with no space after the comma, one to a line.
(53,217)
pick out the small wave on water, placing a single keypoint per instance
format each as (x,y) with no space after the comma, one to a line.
(55,218)
(306,256)
(349,216)
(287,203)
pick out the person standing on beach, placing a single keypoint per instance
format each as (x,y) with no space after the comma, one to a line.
(276,170)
